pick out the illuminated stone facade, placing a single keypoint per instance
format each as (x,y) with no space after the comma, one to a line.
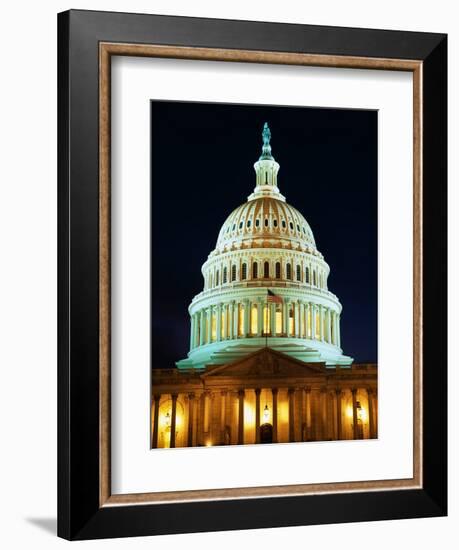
(266,397)
(265,363)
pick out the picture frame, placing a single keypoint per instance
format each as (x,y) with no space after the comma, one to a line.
(87,40)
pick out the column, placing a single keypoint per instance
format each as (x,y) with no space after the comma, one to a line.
(202,325)
(338,331)
(259,317)
(287,318)
(307,392)
(291,414)
(296,306)
(321,323)
(334,329)
(303,319)
(275,392)
(331,421)
(231,320)
(219,322)
(306,327)
(173,419)
(209,325)
(235,319)
(323,412)
(354,414)
(190,419)
(246,329)
(329,326)
(313,317)
(240,431)
(371,417)
(272,319)
(257,415)
(206,412)
(191,331)
(316,429)
(156,399)
(339,414)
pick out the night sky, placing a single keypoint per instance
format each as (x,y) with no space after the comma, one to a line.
(202,168)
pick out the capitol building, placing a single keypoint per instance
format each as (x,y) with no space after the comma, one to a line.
(265,363)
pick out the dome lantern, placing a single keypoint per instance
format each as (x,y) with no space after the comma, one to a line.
(266,169)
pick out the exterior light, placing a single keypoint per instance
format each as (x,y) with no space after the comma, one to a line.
(360,412)
(167,419)
(266,413)
(208,443)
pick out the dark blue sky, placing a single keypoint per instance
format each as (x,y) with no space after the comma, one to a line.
(202,168)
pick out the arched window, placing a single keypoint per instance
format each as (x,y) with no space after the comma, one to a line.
(298,273)
(257,222)
(314,278)
(284,225)
(225,275)
(233,273)
(217,278)
(278,270)
(266,222)
(289,271)
(210,280)
(266,270)
(307,275)
(291,225)
(275,222)
(244,271)
(255,270)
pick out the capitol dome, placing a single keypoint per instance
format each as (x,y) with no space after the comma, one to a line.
(265,284)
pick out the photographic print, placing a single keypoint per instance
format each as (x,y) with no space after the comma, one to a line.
(264,274)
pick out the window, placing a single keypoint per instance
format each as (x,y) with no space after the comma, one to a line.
(266,270)
(278,270)
(241,224)
(225,275)
(266,222)
(234,226)
(233,273)
(249,223)
(291,225)
(289,271)
(284,225)
(314,278)
(298,273)
(275,222)
(255,271)
(244,271)
(257,222)
(298,228)
(240,323)
(307,275)
(254,320)
(217,278)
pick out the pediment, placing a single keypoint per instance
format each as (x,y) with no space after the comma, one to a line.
(266,363)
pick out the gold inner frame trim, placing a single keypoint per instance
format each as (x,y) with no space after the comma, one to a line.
(106,51)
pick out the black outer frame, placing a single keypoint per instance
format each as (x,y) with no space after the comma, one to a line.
(79,514)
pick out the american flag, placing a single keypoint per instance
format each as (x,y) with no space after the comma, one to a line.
(273,298)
